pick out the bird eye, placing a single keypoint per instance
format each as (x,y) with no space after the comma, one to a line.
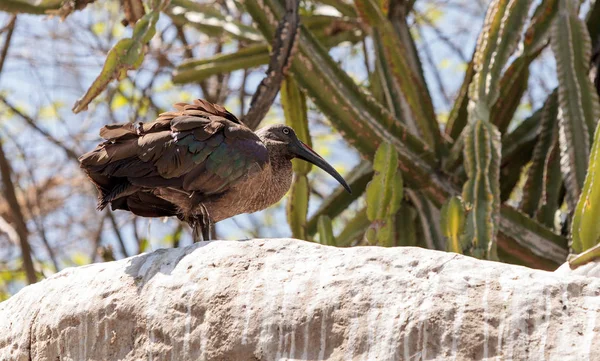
(286,130)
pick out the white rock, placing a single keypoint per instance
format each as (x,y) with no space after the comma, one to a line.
(286,299)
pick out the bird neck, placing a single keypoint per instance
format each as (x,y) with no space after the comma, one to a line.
(278,178)
(278,154)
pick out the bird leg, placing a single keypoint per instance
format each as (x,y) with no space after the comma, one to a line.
(196,231)
(202,225)
(206,223)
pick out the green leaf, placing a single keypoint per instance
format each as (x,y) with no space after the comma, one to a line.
(578,101)
(99,28)
(326,231)
(453,223)
(125,55)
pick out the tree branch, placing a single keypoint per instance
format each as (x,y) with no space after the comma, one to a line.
(70,152)
(15,208)
(436,73)
(10,29)
(8,186)
(281,59)
(115,226)
(98,237)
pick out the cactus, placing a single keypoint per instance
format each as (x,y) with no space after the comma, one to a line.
(585,229)
(294,109)
(407,220)
(482,150)
(540,172)
(365,123)
(481,192)
(578,100)
(354,230)
(482,154)
(453,224)
(384,194)
(326,231)
(396,62)
(428,217)
(339,199)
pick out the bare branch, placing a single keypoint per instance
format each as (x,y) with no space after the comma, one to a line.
(98,237)
(70,152)
(10,29)
(443,37)
(281,58)
(15,208)
(113,221)
(8,186)
(31,203)
(436,73)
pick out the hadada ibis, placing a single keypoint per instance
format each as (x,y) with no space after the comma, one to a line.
(198,163)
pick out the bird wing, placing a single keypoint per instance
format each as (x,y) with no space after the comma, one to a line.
(200,147)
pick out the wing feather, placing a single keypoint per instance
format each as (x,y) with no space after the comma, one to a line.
(199,147)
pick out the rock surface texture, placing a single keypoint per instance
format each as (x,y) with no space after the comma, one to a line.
(284,299)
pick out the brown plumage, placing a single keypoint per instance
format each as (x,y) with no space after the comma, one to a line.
(199,163)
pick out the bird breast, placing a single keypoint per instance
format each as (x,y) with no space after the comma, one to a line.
(254,193)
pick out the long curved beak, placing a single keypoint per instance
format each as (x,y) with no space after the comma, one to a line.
(304,152)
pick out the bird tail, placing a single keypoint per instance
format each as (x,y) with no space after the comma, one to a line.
(120,190)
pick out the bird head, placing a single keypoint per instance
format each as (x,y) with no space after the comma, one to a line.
(294,148)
